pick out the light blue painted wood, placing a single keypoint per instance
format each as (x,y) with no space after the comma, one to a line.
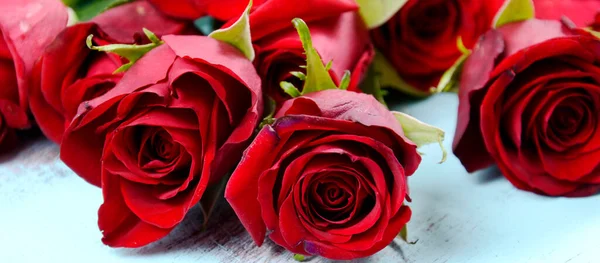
(48,214)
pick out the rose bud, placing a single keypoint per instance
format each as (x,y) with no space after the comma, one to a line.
(529,103)
(419,42)
(581,12)
(26,28)
(70,73)
(328,176)
(167,133)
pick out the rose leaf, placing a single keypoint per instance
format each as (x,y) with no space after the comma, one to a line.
(130,52)
(376,12)
(514,11)
(389,78)
(238,34)
(421,133)
(450,80)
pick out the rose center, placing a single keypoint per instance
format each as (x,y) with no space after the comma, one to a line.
(333,195)
(568,117)
(432,19)
(162,146)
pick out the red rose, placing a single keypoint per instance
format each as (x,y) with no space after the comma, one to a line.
(339,35)
(192,9)
(582,12)
(529,102)
(420,40)
(175,124)
(328,178)
(26,28)
(70,73)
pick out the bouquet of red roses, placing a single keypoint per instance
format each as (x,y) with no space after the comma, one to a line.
(278,107)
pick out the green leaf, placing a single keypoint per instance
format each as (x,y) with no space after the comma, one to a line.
(421,133)
(238,34)
(450,80)
(376,12)
(130,52)
(87,9)
(317,75)
(514,11)
(389,78)
(299,257)
(404,235)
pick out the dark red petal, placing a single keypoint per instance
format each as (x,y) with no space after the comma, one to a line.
(218,54)
(468,143)
(275,15)
(242,189)
(341,107)
(120,227)
(185,9)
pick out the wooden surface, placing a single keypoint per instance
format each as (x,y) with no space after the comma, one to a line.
(48,214)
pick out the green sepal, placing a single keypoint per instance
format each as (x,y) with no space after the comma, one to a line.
(450,80)
(131,52)
(211,198)
(389,78)
(421,133)
(592,31)
(317,75)
(238,34)
(270,107)
(299,257)
(290,89)
(299,75)
(514,11)
(345,82)
(371,85)
(376,12)
(404,235)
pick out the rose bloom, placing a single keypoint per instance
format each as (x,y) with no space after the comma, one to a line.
(420,40)
(328,178)
(581,12)
(529,102)
(26,28)
(174,125)
(338,32)
(69,73)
